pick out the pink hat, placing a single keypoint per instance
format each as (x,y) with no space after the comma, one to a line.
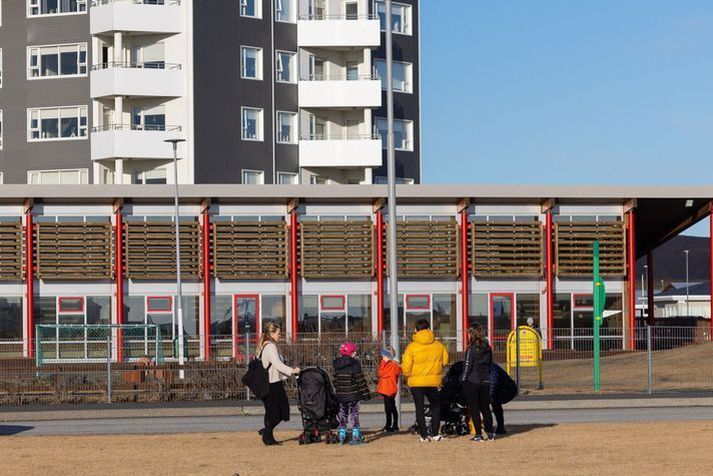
(348,348)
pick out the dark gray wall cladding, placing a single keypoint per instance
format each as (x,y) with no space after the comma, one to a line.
(219,31)
(406,106)
(18,93)
(286,155)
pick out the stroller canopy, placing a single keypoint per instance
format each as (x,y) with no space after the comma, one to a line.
(315,393)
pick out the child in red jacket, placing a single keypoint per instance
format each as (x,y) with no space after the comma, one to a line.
(389,371)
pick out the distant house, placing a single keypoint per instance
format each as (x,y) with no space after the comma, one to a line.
(672,302)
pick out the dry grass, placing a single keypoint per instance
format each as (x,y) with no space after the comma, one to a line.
(597,448)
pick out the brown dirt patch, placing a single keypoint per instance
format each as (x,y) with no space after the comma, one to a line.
(597,448)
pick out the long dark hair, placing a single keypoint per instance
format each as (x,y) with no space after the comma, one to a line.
(476,335)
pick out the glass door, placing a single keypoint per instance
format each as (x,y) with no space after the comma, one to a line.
(502,315)
(246,327)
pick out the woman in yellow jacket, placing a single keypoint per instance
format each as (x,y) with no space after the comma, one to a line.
(423,363)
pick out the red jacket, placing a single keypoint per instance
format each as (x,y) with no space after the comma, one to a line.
(389,372)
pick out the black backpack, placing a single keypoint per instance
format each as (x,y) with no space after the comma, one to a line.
(257,378)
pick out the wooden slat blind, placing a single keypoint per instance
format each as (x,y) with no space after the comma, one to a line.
(73,250)
(573,248)
(150,250)
(337,249)
(11,250)
(507,249)
(250,250)
(427,249)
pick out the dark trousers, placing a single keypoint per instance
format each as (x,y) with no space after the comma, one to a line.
(499,415)
(434,403)
(478,397)
(277,409)
(392,414)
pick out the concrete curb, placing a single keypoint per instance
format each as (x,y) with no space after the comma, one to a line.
(257,410)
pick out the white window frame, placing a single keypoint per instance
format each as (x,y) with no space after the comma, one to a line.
(279,66)
(141,175)
(407,21)
(409,128)
(408,76)
(38,67)
(293,128)
(258,63)
(59,109)
(259,127)
(292,175)
(293,10)
(35,4)
(260,172)
(83,175)
(242,5)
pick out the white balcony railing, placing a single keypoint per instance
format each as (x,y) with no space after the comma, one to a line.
(340,91)
(133,141)
(338,31)
(150,79)
(340,150)
(136,16)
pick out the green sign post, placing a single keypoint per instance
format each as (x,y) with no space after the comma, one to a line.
(599,297)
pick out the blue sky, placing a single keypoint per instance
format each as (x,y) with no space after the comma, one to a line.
(562,92)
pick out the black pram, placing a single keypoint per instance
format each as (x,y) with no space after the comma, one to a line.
(454,408)
(317,406)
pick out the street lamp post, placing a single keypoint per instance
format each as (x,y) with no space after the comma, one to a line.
(688,309)
(643,292)
(179,294)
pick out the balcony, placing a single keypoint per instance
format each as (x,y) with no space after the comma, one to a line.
(340,91)
(135,16)
(348,150)
(339,31)
(132,141)
(155,79)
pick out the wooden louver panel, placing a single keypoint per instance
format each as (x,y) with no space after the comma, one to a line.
(337,249)
(250,250)
(427,249)
(573,245)
(507,249)
(73,250)
(150,250)
(10,250)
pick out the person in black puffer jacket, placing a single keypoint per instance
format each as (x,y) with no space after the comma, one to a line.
(476,381)
(350,388)
(502,390)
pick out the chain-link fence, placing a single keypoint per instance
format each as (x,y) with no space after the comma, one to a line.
(663,359)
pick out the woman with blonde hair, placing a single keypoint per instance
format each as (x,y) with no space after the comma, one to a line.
(277,407)
(476,381)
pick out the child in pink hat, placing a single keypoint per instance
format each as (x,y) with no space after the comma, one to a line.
(350,388)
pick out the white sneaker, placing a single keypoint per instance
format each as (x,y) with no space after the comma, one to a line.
(423,440)
(437,438)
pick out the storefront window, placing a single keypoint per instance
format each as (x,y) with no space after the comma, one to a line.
(478,312)
(308,321)
(10,318)
(273,310)
(562,314)
(359,313)
(528,307)
(221,316)
(444,315)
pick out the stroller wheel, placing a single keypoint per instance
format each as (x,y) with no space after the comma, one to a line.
(301,439)
(316,437)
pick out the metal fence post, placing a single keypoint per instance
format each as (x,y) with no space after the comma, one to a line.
(517,357)
(247,357)
(108,367)
(648,360)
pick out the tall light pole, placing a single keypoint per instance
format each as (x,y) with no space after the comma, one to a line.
(688,309)
(391,178)
(643,293)
(179,293)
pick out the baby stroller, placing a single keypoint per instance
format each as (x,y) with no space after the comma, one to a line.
(317,405)
(454,408)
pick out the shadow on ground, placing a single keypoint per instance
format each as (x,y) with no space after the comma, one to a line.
(8,430)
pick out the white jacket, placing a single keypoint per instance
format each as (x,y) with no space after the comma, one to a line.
(278,371)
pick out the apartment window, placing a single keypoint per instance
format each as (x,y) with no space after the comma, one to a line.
(250,62)
(150,177)
(403,133)
(400,17)
(253,177)
(287,178)
(57,123)
(286,127)
(251,123)
(56,7)
(57,177)
(149,118)
(57,60)
(286,67)
(250,8)
(402,75)
(285,10)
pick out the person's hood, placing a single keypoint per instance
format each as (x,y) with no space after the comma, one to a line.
(343,363)
(424,337)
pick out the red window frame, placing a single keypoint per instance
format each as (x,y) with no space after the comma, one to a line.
(427,307)
(322,307)
(83,300)
(159,309)
(582,308)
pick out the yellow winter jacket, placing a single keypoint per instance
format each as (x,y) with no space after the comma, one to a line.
(423,360)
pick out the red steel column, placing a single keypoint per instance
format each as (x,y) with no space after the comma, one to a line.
(119,256)
(206,284)
(294,275)
(549,277)
(710,249)
(631,271)
(30,281)
(378,236)
(650,286)
(464,274)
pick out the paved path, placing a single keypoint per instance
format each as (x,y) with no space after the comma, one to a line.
(193,424)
